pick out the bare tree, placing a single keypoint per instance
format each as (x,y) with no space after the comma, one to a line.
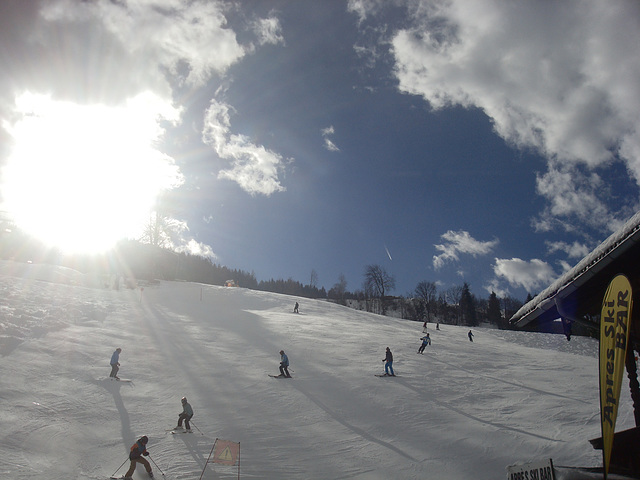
(339,289)
(162,227)
(427,294)
(378,282)
(453,295)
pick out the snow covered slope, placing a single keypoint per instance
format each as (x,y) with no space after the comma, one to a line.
(461,411)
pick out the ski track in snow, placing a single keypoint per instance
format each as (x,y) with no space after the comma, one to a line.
(462,410)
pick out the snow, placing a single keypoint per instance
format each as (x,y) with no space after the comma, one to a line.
(461,411)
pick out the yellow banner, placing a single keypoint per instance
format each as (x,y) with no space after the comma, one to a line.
(615,320)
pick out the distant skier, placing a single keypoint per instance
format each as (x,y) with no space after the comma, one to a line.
(470,334)
(138,450)
(438,326)
(115,363)
(424,327)
(388,363)
(284,365)
(295,308)
(426,340)
(186,414)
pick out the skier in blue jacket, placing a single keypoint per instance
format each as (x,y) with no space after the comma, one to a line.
(426,340)
(284,365)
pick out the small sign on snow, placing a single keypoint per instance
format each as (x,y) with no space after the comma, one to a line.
(538,470)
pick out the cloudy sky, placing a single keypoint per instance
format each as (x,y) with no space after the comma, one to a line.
(478,141)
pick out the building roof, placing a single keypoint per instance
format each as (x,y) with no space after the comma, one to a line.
(577,295)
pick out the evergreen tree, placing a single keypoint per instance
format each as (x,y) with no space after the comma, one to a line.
(494,313)
(468,307)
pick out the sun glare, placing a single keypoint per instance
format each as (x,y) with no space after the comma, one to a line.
(82,177)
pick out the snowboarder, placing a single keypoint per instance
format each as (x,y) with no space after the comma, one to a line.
(186,414)
(470,334)
(115,363)
(388,365)
(295,308)
(138,450)
(284,365)
(426,340)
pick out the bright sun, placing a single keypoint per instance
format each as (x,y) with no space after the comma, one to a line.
(82,177)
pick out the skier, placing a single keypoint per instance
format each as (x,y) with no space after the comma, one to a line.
(388,366)
(295,308)
(424,327)
(426,340)
(115,363)
(470,334)
(138,450)
(284,365)
(187,413)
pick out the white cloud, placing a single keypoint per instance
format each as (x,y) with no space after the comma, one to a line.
(328,144)
(559,77)
(460,242)
(194,247)
(268,31)
(495,287)
(531,275)
(573,250)
(253,167)
(190,40)
(365,8)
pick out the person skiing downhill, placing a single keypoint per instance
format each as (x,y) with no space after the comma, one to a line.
(388,365)
(115,363)
(426,340)
(186,414)
(138,450)
(284,365)
(470,335)
(295,308)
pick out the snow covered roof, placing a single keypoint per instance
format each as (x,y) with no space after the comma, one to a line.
(589,267)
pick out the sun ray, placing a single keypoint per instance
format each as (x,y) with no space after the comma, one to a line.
(83,177)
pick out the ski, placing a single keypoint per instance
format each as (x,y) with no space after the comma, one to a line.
(386,375)
(123,380)
(278,376)
(174,432)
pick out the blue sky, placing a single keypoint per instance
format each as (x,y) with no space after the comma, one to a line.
(476,141)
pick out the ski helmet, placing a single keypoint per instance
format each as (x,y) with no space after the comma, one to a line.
(184,400)
(144,439)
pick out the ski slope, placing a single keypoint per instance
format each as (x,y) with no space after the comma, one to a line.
(461,411)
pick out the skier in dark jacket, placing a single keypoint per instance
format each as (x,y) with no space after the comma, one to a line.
(138,450)
(115,363)
(470,335)
(388,365)
(187,413)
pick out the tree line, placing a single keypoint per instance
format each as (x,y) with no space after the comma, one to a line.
(149,260)
(455,305)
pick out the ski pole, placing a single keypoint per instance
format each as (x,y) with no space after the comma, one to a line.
(159,469)
(197,428)
(119,467)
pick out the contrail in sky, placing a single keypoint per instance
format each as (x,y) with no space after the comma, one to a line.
(385,247)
